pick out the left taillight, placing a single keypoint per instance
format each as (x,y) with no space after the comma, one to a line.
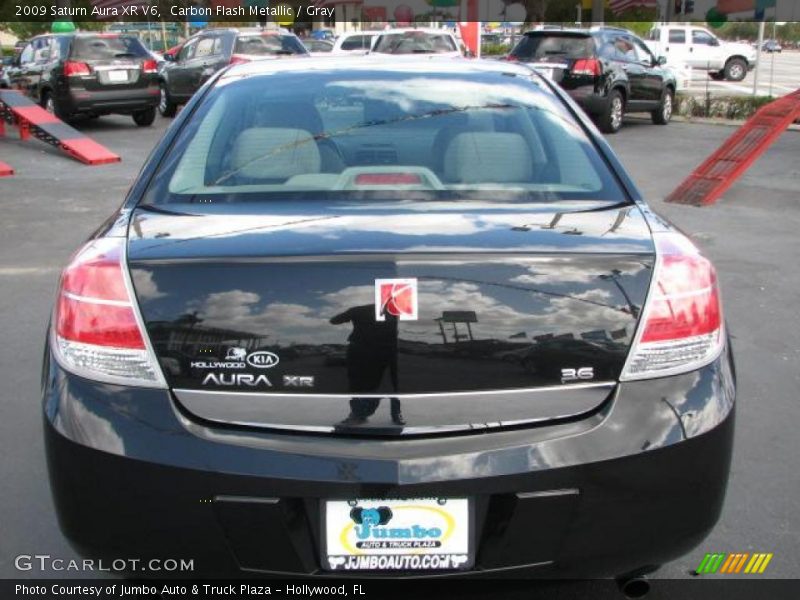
(97,330)
(76,68)
(587,66)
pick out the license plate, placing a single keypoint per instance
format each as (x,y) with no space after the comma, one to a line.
(424,534)
(118,76)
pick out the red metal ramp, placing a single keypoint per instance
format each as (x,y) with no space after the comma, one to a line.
(5,169)
(720,171)
(33,120)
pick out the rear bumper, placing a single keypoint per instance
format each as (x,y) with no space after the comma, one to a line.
(110,101)
(589,100)
(638,484)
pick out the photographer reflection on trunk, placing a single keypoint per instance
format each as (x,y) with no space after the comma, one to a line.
(371,350)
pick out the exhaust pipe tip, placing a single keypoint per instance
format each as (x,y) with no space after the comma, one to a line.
(634,587)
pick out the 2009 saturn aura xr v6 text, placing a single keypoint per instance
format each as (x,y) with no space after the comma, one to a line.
(388,316)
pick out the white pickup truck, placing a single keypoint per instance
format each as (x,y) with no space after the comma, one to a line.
(698,48)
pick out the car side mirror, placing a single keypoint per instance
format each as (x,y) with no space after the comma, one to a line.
(169,57)
(661,60)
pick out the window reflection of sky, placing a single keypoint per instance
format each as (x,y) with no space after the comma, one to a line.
(292,302)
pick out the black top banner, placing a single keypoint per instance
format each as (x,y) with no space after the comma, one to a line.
(398,12)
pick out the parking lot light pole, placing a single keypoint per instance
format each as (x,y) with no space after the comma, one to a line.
(772,59)
(598,8)
(758,56)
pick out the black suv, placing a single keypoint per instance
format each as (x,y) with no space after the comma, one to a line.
(607,71)
(207,52)
(89,73)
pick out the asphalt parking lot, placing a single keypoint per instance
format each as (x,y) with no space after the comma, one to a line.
(778,75)
(53,203)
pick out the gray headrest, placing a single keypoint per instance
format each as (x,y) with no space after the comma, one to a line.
(275,153)
(479,156)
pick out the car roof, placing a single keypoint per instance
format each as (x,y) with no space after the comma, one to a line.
(245,30)
(84,34)
(366,32)
(580,32)
(568,31)
(431,30)
(429,64)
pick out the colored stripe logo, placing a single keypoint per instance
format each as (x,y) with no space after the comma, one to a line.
(735,562)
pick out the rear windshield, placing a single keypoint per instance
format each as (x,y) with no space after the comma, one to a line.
(107,47)
(268,44)
(357,42)
(542,47)
(400,135)
(414,42)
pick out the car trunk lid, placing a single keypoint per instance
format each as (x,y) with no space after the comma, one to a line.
(503,316)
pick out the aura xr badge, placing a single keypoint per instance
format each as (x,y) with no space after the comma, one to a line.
(306,381)
(396,297)
(236,379)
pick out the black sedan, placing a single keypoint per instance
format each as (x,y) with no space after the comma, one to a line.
(533,371)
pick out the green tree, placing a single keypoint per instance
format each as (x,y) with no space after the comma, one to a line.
(640,28)
(738,30)
(24,29)
(789,31)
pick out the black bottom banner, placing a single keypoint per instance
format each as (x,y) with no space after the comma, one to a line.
(370,588)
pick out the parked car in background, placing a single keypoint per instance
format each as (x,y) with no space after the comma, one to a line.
(417,41)
(5,67)
(168,56)
(771,46)
(172,52)
(89,74)
(212,49)
(318,46)
(323,34)
(700,49)
(354,42)
(608,71)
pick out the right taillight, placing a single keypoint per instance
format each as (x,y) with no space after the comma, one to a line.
(586,66)
(97,331)
(681,327)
